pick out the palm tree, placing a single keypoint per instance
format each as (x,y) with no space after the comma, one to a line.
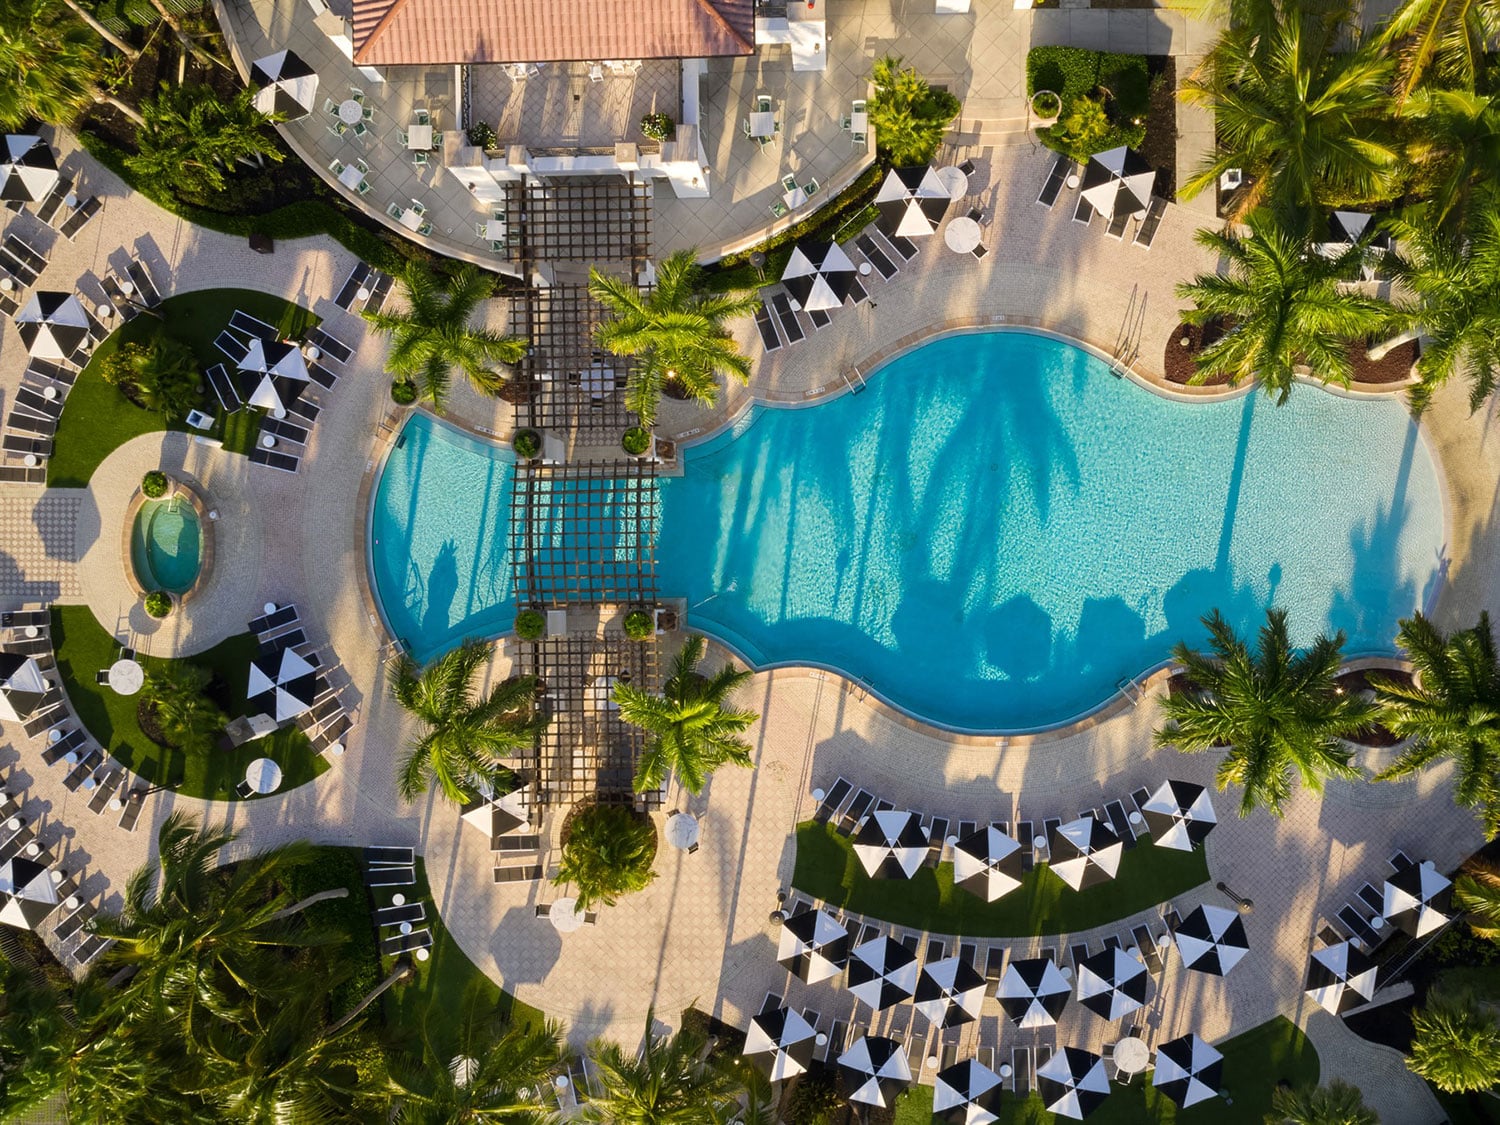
(1296,110)
(608,853)
(692,731)
(1450,710)
(51,67)
(676,331)
(465,736)
(1337,1103)
(1455,1043)
(188,719)
(1277,711)
(191,137)
(1476,892)
(1453,147)
(1283,306)
(910,118)
(433,335)
(671,1081)
(1451,37)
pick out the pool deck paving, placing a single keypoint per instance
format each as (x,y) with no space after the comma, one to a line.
(701,933)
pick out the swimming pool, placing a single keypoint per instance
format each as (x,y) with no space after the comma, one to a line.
(166,545)
(997,532)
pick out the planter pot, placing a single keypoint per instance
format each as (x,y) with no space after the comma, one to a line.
(1040,103)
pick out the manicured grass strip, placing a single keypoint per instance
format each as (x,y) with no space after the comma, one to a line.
(97,419)
(1254,1063)
(84,647)
(827,868)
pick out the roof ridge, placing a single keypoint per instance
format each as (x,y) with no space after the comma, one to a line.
(379,29)
(718,18)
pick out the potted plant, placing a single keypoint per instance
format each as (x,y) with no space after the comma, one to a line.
(158,603)
(640,625)
(154,484)
(1046,105)
(530,625)
(657,126)
(403,392)
(636,441)
(527,444)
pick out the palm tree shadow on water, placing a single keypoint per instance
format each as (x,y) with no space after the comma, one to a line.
(442,588)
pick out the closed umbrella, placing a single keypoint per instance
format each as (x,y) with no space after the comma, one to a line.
(1112,983)
(819,275)
(967,1093)
(875,1070)
(288,85)
(882,972)
(1340,977)
(813,945)
(1418,899)
(29,169)
(1118,180)
(911,201)
(1211,940)
(780,1043)
(949,992)
(987,863)
(1180,815)
(891,844)
(53,325)
(1033,992)
(1085,853)
(1188,1070)
(1073,1082)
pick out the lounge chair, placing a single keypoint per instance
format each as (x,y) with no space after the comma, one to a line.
(390,856)
(1146,233)
(390,877)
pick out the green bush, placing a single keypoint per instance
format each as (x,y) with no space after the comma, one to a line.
(636,441)
(815,1099)
(482,136)
(910,117)
(1093,85)
(158,373)
(348,916)
(639,625)
(403,392)
(530,624)
(1046,103)
(527,443)
(657,126)
(154,484)
(158,603)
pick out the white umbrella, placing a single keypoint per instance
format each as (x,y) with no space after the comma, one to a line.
(882,972)
(780,1043)
(30,894)
(1188,1070)
(876,1070)
(21,686)
(1118,180)
(1180,815)
(813,945)
(911,201)
(1033,992)
(819,275)
(949,992)
(288,85)
(987,863)
(28,170)
(282,685)
(272,376)
(891,844)
(967,1093)
(53,325)
(1211,940)
(1418,899)
(1073,1082)
(1112,984)
(1340,977)
(1085,853)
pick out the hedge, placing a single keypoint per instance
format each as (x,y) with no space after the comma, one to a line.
(1076,72)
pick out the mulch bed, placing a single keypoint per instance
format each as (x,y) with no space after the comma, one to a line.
(1394,368)
(1177,361)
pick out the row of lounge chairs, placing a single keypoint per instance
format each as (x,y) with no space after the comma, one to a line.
(27,440)
(396,924)
(363,278)
(779,323)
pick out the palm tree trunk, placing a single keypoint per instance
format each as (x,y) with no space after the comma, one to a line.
(103,32)
(1379,351)
(184,40)
(298,907)
(401,973)
(110,100)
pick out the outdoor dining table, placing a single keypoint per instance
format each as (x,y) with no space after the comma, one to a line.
(351,112)
(263,776)
(494,229)
(683,830)
(795,198)
(565,915)
(1132,1055)
(955,179)
(763,124)
(126,677)
(410,219)
(962,234)
(859,122)
(419,137)
(351,176)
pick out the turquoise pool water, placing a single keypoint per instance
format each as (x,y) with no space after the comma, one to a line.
(166,545)
(997,531)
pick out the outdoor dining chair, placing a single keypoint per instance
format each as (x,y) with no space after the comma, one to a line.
(788,183)
(360,129)
(423,118)
(419,159)
(357,94)
(402,135)
(811,188)
(762,103)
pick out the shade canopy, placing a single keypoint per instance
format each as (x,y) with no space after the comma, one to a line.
(29,169)
(495,816)
(28,893)
(1033,992)
(1180,815)
(891,844)
(813,945)
(1188,1070)
(22,687)
(819,275)
(882,972)
(967,1093)
(987,863)
(1418,899)
(875,1070)
(272,375)
(911,201)
(1085,853)
(1118,181)
(949,992)
(53,325)
(282,685)
(288,85)
(1073,1082)
(1346,228)
(1340,977)
(1211,940)
(780,1043)
(1112,983)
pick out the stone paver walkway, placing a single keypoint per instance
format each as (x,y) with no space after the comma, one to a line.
(38,546)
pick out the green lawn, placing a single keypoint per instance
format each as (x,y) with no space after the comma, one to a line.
(828,869)
(97,419)
(1253,1065)
(84,647)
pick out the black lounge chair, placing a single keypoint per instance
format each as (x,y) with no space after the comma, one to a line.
(75,921)
(91,948)
(876,256)
(286,431)
(36,447)
(380,289)
(1054,182)
(283,461)
(55,372)
(277,619)
(782,307)
(937,837)
(270,646)
(530,873)
(1115,811)
(1146,233)
(351,287)
(321,376)
(134,802)
(330,345)
(831,801)
(1117,223)
(768,339)
(395,915)
(23,474)
(1084,213)
(903,246)
(26,252)
(390,877)
(388,856)
(232,346)
(23,275)
(123,305)
(855,812)
(302,408)
(140,277)
(819,318)
(82,215)
(223,388)
(34,402)
(47,209)
(248,325)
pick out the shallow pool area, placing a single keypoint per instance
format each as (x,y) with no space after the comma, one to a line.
(166,545)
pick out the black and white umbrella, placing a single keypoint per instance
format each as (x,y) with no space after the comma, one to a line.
(949,992)
(29,170)
(818,275)
(911,201)
(813,945)
(1073,1082)
(21,687)
(53,325)
(967,1093)
(29,893)
(1180,815)
(1346,229)
(780,1043)
(1085,853)
(282,685)
(496,816)
(1118,180)
(1188,1070)
(1112,984)
(891,845)
(875,1070)
(1340,977)
(1033,992)
(882,972)
(987,863)
(272,376)
(1418,899)
(288,85)
(1211,940)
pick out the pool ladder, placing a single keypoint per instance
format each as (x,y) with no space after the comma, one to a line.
(1128,340)
(1131,691)
(852,388)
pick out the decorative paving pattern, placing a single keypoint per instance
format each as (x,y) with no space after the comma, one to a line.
(38,548)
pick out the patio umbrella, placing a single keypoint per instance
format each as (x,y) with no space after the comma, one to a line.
(282,685)
(495,816)
(272,376)
(1112,984)
(818,275)
(1211,940)
(29,892)
(1118,180)
(967,1093)
(288,85)
(911,201)
(1340,977)
(882,972)
(987,863)
(1073,1082)
(1418,899)
(29,169)
(1085,853)
(1345,229)
(1188,1070)
(1033,992)
(875,1069)
(780,1043)
(1180,815)
(949,992)
(891,845)
(21,687)
(53,325)
(813,945)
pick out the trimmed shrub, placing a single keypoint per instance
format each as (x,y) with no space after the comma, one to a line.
(639,625)
(158,603)
(154,484)
(481,135)
(530,624)
(527,443)
(1103,95)
(403,392)
(636,441)
(657,126)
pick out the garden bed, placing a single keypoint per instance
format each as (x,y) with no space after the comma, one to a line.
(1178,362)
(1121,84)
(1394,367)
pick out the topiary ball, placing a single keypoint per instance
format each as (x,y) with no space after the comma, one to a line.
(530,624)
(158,603)
(154,484)
(639,625)
(403,393)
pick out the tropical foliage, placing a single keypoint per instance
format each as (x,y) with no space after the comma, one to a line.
(676,332)
(1337,1103)
(691,727)
(1455,1043)
(1476,892)
(670,1081)
(909,117)
(607,852)
(186,717)
(1274,711)
(191,139)
(52,65)
(158,373)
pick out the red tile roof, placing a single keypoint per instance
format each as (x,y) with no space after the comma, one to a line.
(415,32)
